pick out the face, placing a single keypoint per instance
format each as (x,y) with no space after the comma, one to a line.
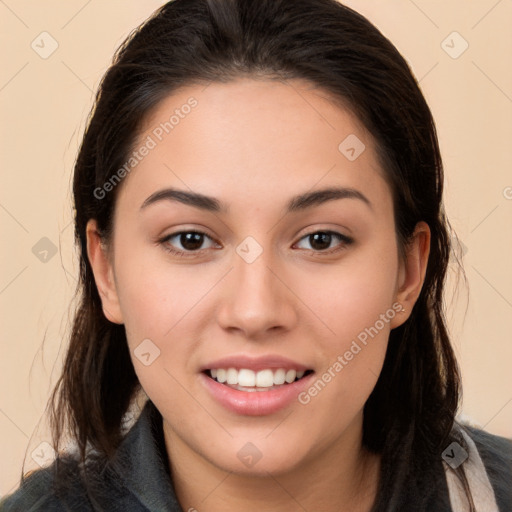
(251,248)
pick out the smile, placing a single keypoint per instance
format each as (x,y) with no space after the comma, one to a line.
(255,392)
(248,380)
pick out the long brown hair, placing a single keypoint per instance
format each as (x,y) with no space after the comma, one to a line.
(410,413)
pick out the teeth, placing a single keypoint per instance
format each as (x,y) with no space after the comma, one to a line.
(250,379)
(279,377)
(232,376)
(290,376)
(265,379)
(246,378)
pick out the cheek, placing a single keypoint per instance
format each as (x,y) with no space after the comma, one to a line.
(352,296)
(352,357)
(164,313)
(157,304)
(153,295)
(355,302)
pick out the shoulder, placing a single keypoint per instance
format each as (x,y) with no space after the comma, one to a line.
(38,491)
(496,454)
(136,477)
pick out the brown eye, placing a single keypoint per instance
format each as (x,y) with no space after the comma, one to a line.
(185,242)
(191,241)
(320,241)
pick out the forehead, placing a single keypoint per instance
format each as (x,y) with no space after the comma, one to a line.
(249,139)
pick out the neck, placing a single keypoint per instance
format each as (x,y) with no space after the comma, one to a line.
(341,478)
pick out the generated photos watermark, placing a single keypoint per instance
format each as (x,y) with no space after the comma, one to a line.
(355,348)
(157,135)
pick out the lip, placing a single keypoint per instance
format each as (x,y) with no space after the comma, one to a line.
(255,364)
(256,403)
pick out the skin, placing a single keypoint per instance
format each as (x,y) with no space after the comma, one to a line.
(253,144)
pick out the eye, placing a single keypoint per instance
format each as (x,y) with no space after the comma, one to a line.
(190,241)
(320,241)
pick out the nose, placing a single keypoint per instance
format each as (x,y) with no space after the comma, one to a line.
(257,301)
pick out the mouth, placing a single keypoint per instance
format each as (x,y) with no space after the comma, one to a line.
(255,386)
(265,380)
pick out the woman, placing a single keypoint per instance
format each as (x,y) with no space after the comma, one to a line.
(263,250)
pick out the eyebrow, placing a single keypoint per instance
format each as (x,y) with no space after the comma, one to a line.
(296,203)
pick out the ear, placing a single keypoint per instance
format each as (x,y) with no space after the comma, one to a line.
(103,272)
(411,274)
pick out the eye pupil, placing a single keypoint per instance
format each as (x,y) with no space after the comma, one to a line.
(191,241)
(320,238)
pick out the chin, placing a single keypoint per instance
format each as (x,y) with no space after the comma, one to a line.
(258,458)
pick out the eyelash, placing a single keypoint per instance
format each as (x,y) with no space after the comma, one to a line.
(177,252)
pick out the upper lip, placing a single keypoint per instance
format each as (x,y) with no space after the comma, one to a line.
(255,363)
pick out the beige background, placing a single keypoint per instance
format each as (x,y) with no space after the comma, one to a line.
(44,103)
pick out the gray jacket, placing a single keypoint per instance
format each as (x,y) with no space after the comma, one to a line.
(138,479)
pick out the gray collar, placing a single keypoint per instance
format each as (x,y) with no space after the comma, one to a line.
(141,466)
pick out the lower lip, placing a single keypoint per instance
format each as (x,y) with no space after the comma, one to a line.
(256,403)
